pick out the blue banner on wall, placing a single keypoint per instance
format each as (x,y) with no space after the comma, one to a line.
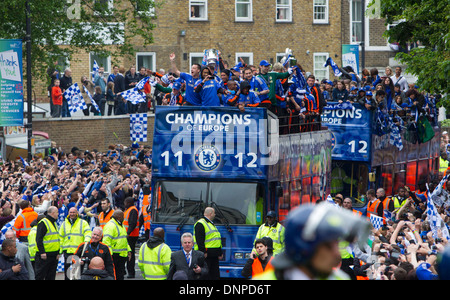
(11,83)
(351,130)
(217,142)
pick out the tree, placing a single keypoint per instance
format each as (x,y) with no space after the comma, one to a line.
(426,22)
(62,28)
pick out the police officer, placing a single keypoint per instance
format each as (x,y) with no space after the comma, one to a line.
(72,233)
(274,230)
(313,233)
(208,240)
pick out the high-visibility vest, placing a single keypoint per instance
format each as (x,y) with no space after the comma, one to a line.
(147,217)
(103,219)
(275,233)
(51,238)
(357,212)
(443,165)
(154,263)
(72,235)
(386,203)
(257,266)
(343,250)
(22,225)
(212,235)
(397,203)
(32,246)
(135,231)
(372,208)
(115,236)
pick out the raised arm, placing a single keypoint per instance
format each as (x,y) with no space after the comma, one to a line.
(173,65)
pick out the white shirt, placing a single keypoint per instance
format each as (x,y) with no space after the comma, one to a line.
(401,81)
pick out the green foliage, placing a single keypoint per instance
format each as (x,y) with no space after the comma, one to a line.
(64,27)
(427,22)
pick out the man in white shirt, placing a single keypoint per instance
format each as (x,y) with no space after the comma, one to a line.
(399,79)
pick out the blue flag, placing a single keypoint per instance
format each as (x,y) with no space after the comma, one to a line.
(334,66)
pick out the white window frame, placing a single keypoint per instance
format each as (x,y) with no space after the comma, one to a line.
(317,54)
(149,13)
(279,56)
(196,55)
(105,13)
(107,67)
(351,21)
(249,55)
(249,18)
(152,54)
(289,17)
(325,20)
(205,3)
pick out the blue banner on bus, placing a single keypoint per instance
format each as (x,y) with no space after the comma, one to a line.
(216,142)
(351,128)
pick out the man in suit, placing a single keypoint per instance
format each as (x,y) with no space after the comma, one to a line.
(187,260)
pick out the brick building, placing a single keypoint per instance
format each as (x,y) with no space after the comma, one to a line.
(253,30)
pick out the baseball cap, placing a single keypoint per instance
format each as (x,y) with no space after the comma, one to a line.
(264,63)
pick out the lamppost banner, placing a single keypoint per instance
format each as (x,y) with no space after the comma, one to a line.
(11,83)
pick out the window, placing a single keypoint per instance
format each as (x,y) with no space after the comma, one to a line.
(284,11)
(195,58)
(246,56)
(143,7)
(102,61)
(320,71)
(243,11)
(320,12)
(355,22)
(103,7)
(198,10)
(146,60)
(183,202)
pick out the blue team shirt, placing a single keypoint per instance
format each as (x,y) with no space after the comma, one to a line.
(191,96)
(251,98)
(258,84)
(209,93)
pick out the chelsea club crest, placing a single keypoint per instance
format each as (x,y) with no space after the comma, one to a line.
(207,158)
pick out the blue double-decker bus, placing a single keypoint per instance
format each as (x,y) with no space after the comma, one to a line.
(364,157)
(237,163)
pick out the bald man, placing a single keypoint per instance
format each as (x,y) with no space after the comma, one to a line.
(211,246)
(48,253)
(96,270)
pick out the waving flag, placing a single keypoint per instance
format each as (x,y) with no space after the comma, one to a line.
(95,69)
(334,66)
(376,221)
(134,95)
(434,218)
(74,98)
(92,99)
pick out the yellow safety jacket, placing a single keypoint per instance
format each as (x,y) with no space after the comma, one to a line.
(154,262)
(51,238)
(275,233)
(32,246)
(72,235)
(443,165)
(212,235)
(115,237)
